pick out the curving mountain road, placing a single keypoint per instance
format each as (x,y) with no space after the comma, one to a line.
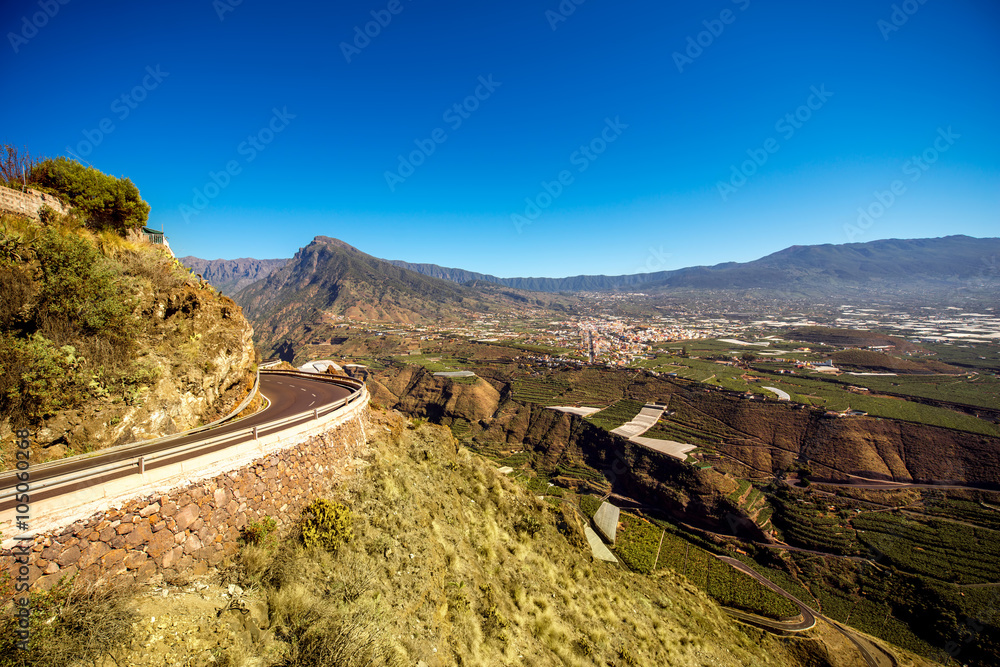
(808,617)
(289,395)
(873,655)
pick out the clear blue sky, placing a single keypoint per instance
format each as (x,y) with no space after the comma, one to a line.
(651,200)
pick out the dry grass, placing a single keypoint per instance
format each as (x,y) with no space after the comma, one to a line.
(438,571)
(75,626)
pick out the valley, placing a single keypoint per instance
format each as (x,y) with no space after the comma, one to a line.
(840,450)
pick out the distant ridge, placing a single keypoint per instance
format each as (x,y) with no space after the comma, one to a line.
(329,280)
(231,275)
(891,261)
(583,283)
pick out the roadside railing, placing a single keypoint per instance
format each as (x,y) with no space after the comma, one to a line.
(51,479)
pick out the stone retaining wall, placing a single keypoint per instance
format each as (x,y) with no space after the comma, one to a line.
(28,203)
(191,528)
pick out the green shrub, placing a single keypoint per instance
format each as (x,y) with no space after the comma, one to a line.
(529,525)
(81,291)
(260,533)
(105,201)
(327,524)
(36,377)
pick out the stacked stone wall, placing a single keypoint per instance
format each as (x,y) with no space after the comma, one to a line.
(193,528)
(28,203)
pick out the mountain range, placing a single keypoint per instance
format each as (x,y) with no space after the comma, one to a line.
(900,263)
(951,258)
(232,275)
(329,280)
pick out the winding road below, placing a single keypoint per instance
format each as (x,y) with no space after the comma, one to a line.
(874,655)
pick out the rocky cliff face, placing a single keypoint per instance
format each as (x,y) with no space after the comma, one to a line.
(766,438)
(232,275)
(557,438)
(202,352)
(770,437)
(106,341)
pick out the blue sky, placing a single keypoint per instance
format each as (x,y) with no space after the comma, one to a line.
(613,138)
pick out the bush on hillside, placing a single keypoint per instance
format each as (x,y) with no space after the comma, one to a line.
(105,201)
(67,327)
(71,625)
(36,377)
(327,525)
(15,164)
(81,291)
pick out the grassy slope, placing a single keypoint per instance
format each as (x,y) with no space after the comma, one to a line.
(452,578)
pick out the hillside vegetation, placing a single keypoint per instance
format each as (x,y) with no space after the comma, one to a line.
(432,557)
(105,340)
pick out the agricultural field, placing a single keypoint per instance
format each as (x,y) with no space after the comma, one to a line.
(645,547)
(739,491)
(918,578)
(805,524)
(433,363)
(688,424)
(594,387)
(980,390)
(539,390)
(589,505)
(637,543)
(618,414)
(540,349)
(959,509)
(732,588)
(781,578)
(936,548)
(830,392)
(580,471)
(973,356)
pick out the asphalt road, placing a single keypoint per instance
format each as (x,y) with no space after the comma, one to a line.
(873,655)
(289,395)
(808,618)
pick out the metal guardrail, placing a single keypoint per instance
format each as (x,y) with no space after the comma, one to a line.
(138,463)
(239,408)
